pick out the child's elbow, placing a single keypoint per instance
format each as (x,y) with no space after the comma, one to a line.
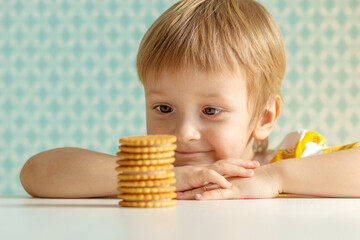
(25,177)
(31,177)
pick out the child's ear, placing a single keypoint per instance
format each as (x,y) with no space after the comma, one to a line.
(267,121)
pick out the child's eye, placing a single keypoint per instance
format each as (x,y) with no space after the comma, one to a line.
(211,111)
(164,109)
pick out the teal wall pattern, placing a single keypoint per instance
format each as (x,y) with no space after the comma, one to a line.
(68,77)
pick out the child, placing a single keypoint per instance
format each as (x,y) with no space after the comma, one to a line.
(212,73)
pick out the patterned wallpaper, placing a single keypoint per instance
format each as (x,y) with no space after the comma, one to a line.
(68,78)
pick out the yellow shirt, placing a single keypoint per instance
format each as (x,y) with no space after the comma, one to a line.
(303,143)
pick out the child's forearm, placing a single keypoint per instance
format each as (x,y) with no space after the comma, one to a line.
(70,173)
(333,175)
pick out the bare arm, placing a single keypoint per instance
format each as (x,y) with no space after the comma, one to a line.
(334,174)
(70,173)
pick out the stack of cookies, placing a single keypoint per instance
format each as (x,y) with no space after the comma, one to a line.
(145,171)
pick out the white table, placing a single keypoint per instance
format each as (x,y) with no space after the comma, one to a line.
(27,218)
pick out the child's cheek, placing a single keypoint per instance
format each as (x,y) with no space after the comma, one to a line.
(156,126)
(228,143)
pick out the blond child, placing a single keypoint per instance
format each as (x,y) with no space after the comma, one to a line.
(212,73)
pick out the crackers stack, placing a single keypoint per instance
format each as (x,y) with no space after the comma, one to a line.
(145,171)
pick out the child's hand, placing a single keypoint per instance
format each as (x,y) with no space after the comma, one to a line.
(190,177)
(263,184)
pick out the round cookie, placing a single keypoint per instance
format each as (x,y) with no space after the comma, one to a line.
(147,183)
(136,156)
(150,204)
(135,169)
(147,140)
(144,171)
(145,162)
(146,190)
(147,197)
(148,149)
(146,176)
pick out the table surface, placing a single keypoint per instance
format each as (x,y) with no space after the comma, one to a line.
(298,217)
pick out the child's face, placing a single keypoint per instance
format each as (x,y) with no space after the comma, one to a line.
(206,112)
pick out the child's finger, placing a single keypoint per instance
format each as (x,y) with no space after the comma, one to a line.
(232,170)
(190,194)
(211,176)
(216,194)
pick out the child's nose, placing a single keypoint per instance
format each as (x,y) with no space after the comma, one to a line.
(187,130)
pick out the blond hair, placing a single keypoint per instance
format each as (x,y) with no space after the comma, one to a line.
(218,35)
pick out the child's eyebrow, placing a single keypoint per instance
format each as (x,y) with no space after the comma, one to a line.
(213,95)
(216,96)
(155,92)
(204,95)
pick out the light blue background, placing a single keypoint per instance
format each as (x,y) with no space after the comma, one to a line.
(68,77)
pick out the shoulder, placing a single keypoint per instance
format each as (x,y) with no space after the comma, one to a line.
(297,144)
(301,143)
